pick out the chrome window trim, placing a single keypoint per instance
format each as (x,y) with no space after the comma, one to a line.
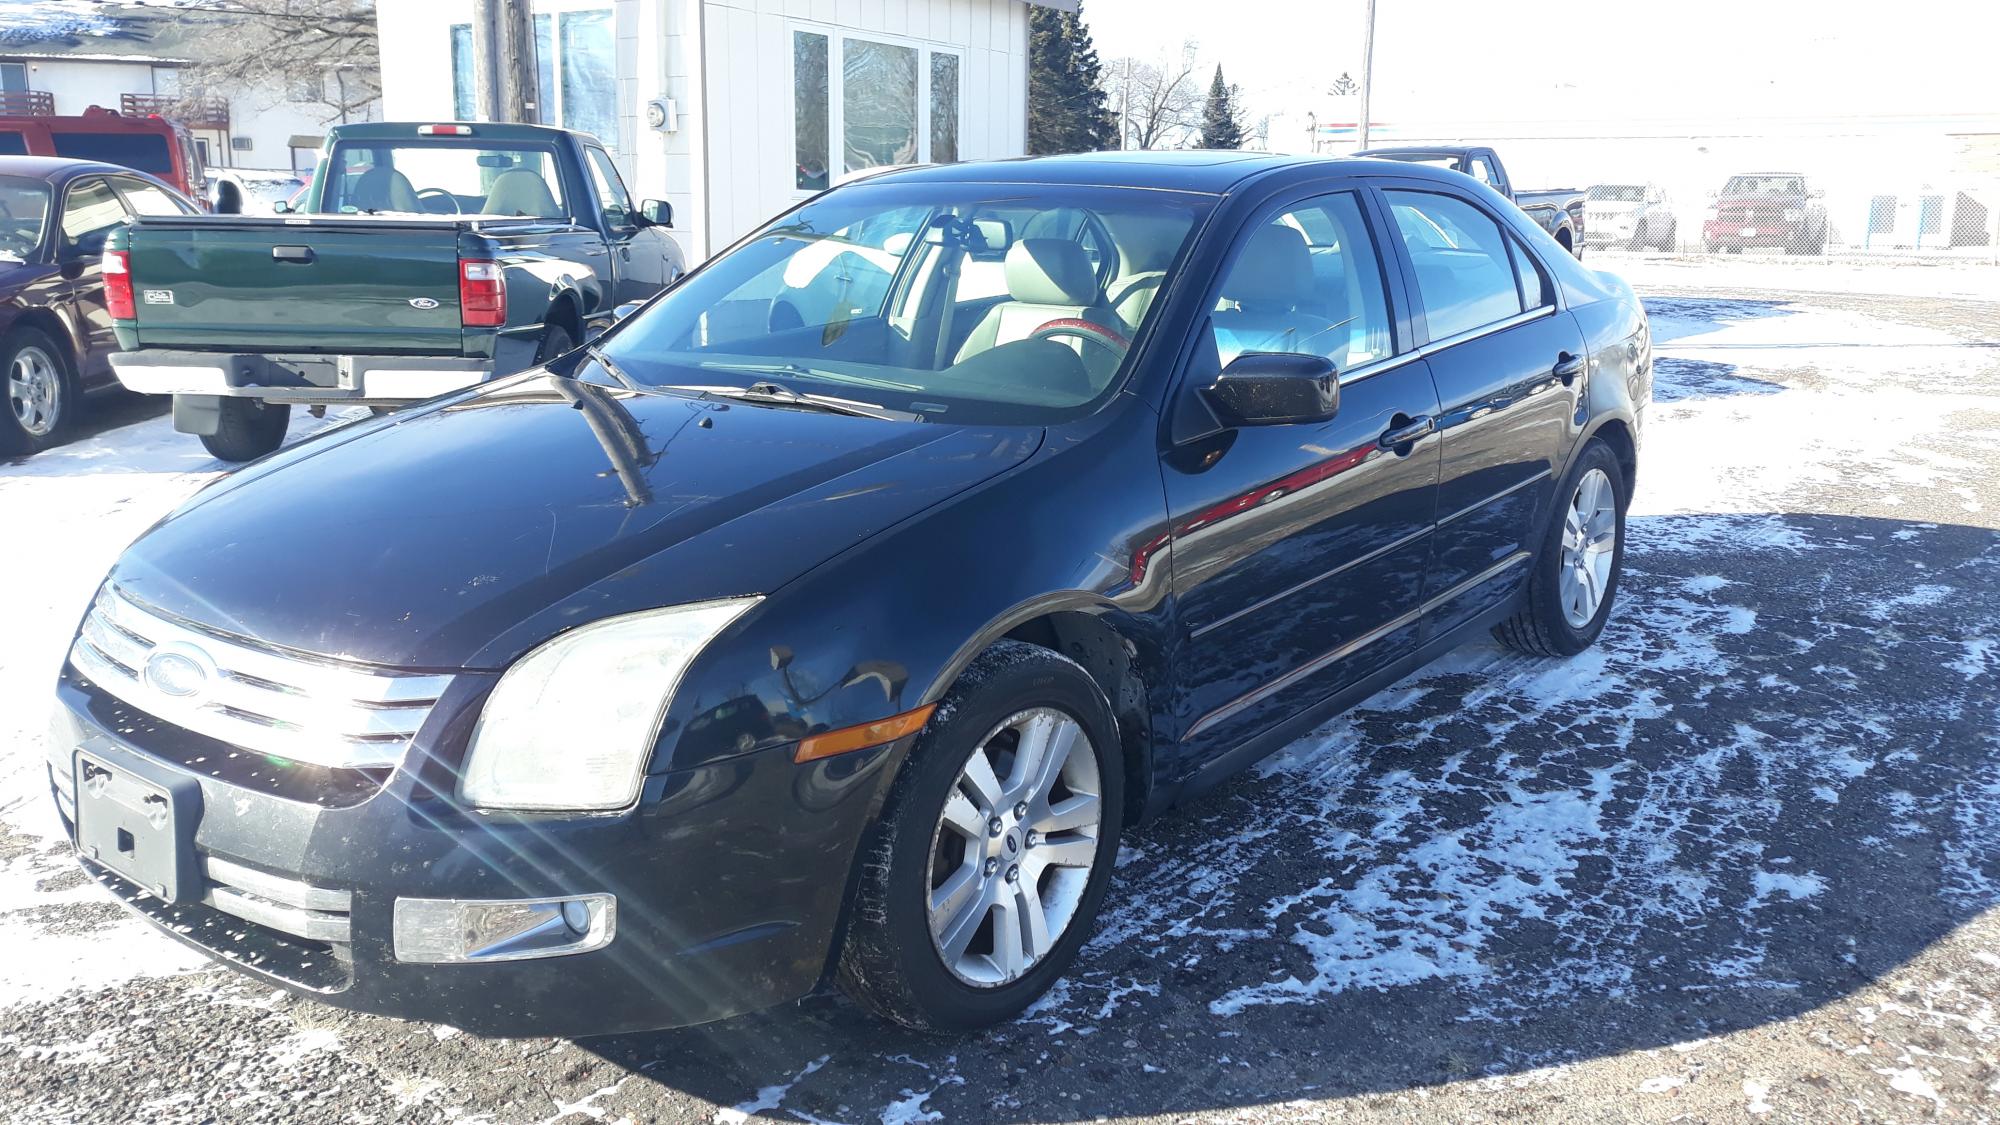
(1390,363)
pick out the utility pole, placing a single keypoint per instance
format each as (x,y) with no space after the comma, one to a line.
(1125,104)
(504,66)
(1367,70)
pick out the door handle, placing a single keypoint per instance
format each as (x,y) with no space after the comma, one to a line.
(1407,433)
(1568,367)
(299,254)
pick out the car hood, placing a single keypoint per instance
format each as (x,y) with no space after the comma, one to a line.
(459,534)
(14,275)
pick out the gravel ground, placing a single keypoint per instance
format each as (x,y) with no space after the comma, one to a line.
(1740,861)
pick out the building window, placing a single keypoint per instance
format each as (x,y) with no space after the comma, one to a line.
(811,99)
(575,72)
(13,78)
(944,107)
(860,103)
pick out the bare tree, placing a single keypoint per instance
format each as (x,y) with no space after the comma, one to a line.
(315,52)
(1162,101)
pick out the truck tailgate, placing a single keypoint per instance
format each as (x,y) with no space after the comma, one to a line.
(267,285)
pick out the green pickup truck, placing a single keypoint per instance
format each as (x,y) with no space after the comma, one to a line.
(426,258)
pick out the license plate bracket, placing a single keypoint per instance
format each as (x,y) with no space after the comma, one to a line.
(140,824)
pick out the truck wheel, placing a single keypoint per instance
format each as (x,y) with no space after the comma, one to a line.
(248,429)
(556,340)
(41,395)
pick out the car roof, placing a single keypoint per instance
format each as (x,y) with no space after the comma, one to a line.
(58,167)
(1212,171)
(407,130)
(1421,150)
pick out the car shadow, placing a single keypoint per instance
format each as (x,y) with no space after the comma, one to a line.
(1677,379)
(1674,317)
(1773,781)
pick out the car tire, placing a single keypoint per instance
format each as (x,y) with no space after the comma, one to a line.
(1573,564)
(557,340)
(890,962)
(247,430)
(40,391)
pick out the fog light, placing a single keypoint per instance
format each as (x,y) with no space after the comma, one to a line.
(445,930)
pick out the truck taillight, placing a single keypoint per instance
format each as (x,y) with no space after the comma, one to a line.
(118,286)
(482,294)
(444,130)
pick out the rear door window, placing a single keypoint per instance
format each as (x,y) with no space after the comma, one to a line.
(1465,275)
(89,212)
(148,199)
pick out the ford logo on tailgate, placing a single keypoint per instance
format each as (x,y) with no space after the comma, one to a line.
(422,303)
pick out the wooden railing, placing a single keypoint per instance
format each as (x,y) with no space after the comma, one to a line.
(27,103)
(195,113)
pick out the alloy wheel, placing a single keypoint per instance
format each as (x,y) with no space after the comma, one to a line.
(34,391)
(1013,850)
(1589,543)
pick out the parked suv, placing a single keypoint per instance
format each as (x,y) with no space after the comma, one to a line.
(1770,209)
(774,640)
(1632,216)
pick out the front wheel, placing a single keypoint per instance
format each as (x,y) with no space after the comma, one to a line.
(984,875)
(1576,574)
(247,430)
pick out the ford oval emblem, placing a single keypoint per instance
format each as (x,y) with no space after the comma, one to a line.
(180,671)
(422,303)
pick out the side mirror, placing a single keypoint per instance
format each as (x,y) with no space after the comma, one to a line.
(225,198)
(282,207)
(1272,388)
(627,309)
(87,246)
(657,213)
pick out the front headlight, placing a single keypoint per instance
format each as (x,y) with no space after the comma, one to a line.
(571,724)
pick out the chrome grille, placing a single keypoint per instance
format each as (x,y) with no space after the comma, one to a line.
(277,901)
(309,709)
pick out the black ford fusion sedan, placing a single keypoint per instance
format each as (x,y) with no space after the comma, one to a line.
(829,618)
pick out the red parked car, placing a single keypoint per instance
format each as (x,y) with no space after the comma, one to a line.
(1767,209)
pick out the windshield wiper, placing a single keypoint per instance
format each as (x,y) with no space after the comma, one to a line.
(800,370)
(615,371)
(776,394)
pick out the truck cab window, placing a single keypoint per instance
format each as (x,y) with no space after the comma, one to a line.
(612,198)
(424,177)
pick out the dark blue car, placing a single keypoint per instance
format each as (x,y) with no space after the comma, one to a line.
(829,618)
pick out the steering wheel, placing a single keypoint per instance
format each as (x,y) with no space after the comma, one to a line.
(440,193)
(1089,331)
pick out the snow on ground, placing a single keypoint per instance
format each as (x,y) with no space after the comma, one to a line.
(1741,858)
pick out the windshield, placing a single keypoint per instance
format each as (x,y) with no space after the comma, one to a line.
(444,178)
(1763,185)
(24,216)
(958,303)
(1617,193)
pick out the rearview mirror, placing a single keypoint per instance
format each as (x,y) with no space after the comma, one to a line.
(1272,388)
(657,213)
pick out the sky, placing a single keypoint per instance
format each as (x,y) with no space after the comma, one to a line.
(1665,61)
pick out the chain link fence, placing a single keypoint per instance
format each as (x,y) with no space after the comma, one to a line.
(1849,189)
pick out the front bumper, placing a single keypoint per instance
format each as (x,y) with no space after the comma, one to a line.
(303,378)
(1730,232)
(729,879)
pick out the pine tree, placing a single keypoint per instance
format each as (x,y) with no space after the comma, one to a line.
(1066,103)
(1221,121)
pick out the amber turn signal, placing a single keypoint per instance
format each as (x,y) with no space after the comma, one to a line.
(841,741)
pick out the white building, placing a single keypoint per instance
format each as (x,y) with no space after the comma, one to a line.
(766,100)
(62,58)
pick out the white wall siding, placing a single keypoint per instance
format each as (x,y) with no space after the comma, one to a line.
(749,59)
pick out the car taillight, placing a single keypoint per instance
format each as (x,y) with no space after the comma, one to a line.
(482,295)
(118,286)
